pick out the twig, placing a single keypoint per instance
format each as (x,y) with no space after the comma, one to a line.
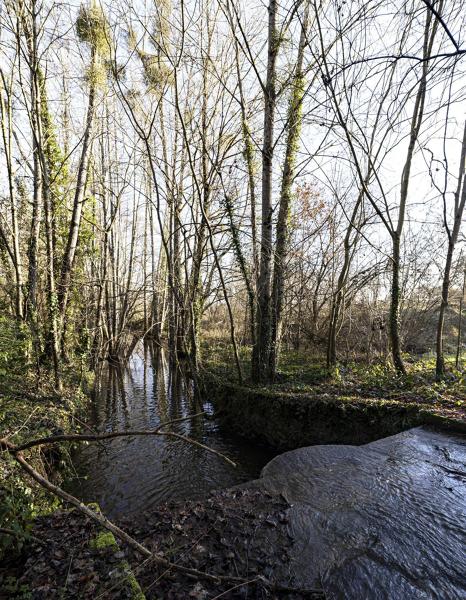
(69,437)
(23,425)
(196,443)
(92,430)
(236,587)
(99,437)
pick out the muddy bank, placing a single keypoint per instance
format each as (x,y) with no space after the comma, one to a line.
(286,420)
(239,532)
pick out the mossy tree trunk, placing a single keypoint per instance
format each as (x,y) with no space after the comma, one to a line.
(69,255)
(294,122)
(395,296)
(261,349)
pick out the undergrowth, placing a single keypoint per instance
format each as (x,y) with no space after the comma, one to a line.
(30,408)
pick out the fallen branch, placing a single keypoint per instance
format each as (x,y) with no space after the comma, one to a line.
(99,437)
(99,518)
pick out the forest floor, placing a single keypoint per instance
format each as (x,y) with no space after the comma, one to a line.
(299,373)
(240,533)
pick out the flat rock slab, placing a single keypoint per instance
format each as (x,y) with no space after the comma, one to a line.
(384,520)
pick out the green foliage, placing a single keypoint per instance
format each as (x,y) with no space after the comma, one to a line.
(93,28)
(58,172)
(15,590)
(57,167)
(300,373)
(19,503)
(15,344)
(29,409)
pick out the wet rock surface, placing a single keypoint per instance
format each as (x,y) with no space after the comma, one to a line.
(384,520)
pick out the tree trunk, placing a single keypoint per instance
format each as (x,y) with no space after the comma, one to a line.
(78,202)
(281,245)
(460,199)
(339,295)
(416,122)
(460,323)
(13,248)
(395,307)
(261,349)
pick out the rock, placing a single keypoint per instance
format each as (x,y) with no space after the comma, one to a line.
(383,520)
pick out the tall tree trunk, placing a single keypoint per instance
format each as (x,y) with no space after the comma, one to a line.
(460,323)
(241,260)
(261,349)
(197,295)
(249,157)
(15,254)
(339,294)
(396,235)
(33,242)
(281,245)
(395,296)
(460,200)
(67,263)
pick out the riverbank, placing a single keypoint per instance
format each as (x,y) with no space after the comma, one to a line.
(231,534)
(356,405)
(30,408)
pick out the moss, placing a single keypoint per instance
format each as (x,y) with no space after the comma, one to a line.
(287,420)
(104,539)
(135,588)
(94,506)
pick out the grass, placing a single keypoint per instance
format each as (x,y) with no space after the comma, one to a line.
(305,373)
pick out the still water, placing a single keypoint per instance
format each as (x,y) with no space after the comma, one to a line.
(129,475)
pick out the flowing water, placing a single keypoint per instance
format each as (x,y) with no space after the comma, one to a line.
(129,475)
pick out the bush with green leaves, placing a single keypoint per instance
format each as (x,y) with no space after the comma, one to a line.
(15,345)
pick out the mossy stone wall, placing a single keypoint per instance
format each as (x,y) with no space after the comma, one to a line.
(286,421)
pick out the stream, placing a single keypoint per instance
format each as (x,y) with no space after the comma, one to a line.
(128,476)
